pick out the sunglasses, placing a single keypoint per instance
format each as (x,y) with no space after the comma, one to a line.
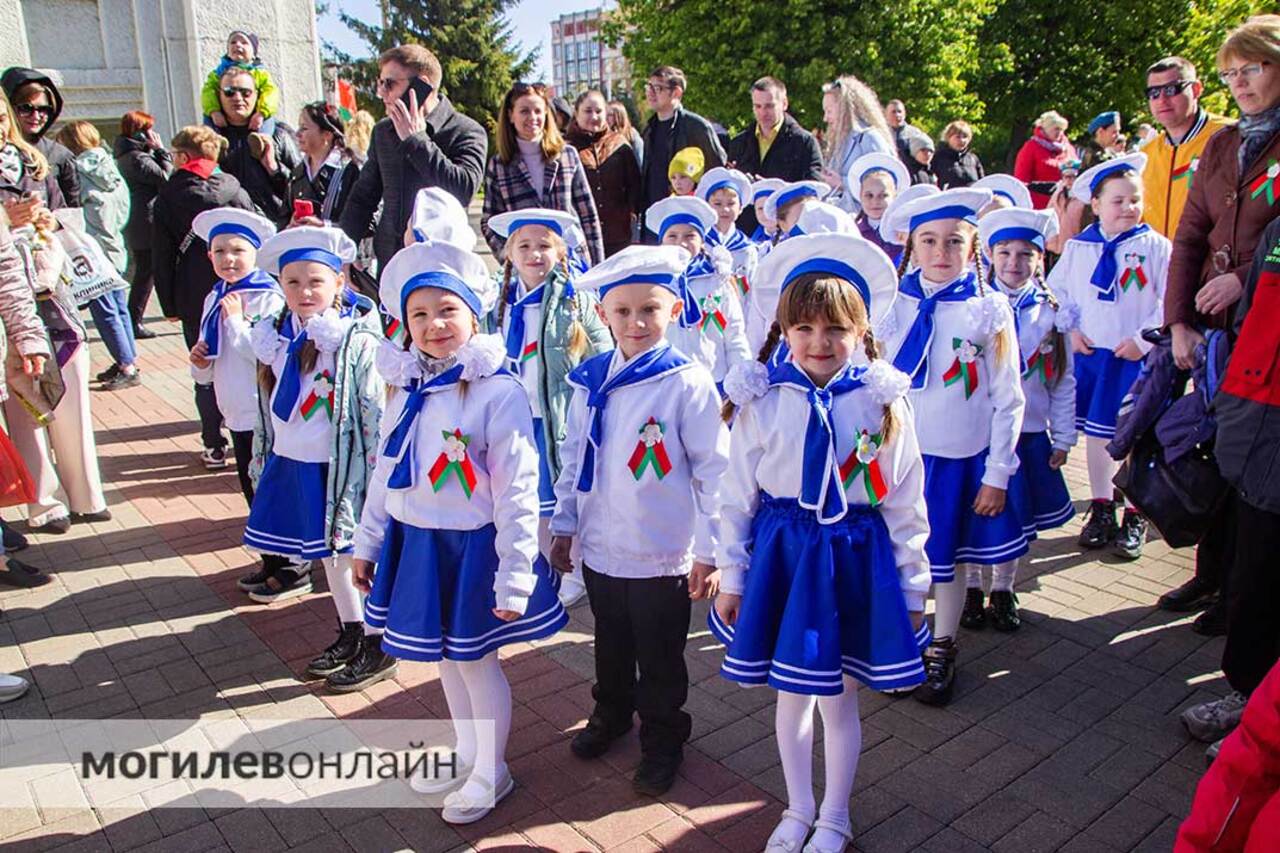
(32,109)
(232,91)
(1168,90)
(521,87)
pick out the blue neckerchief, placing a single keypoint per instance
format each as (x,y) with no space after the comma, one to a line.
(1022,299)
(759,235)
(515,320)
(735,241)
(821,489)
(1104,273)
(592,375)
(211,322)
(399,442)
(578,261)
(691,313)
(289,388)
(913,355)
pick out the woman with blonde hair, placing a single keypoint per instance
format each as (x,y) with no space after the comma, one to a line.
(855,126)
(1039,163)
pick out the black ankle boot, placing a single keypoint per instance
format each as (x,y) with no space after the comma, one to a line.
(1003,611)
(1131,536)
(939,673)
(340,651)
(1101,528)
(370,665)
(974,616)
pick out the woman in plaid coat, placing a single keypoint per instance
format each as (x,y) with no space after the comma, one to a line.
(535,168)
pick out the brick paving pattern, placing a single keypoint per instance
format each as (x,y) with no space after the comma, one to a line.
(1063,736)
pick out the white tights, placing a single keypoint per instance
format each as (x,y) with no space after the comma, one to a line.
(478,690)
(1002,576)
(842,742)
(348,600)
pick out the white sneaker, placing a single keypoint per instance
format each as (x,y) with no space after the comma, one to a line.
(214,458)
(12,687)
(1211,721)
(572,590)
(462,808)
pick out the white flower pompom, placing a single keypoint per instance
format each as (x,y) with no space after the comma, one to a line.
(885,382)
(482,356)
(397,366)
(746,381)
(722,260)
(1067,317)
(990,313)
(327,330)
(265,340)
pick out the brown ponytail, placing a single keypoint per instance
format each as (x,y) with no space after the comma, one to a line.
(578,340)
(888,422)
(504,293)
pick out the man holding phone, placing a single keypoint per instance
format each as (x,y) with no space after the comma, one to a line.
(423,142)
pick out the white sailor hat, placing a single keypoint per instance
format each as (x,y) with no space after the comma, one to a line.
(1090,179)
(439,217)
(901,200)
(765,187)
(558,221)
(788,193)
(876,162)
(440,265)
(845,256)
(721,178)
(324,244)
(679,210)
(1016,223)
(1006,187)
(231,220)
(663,266)
(818,217)
(961,203)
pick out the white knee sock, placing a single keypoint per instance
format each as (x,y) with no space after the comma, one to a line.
(1003,576)
(793,727)
(1101,468)
(841,746)
(459,701)
(490,700)
(973,577)
(346,598)
(948,602)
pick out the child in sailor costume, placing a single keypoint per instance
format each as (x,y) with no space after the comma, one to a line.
(642,463)
(877,179)
(1115,271)
(823,527)
(765,225)
(711,329)
(728,191)
(889,234)
(783,207)
(320,407)
(954,337)
(1013,239)
(451,520)
(1006,192)
(549,328)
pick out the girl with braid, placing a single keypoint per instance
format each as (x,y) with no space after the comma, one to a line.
(549,329)
(953,336)
(823,522)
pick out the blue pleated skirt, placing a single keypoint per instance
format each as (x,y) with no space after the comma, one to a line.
(1102,380)
(433,596)
(287,516)
(1038,493)
(822,601)
(956,533)
(546,485)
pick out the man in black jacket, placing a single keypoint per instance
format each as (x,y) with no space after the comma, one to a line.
(38,103)
(421,143)
(669,129)
(775,146)
(261,163)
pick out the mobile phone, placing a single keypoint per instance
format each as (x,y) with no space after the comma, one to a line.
(419,87)
(303,208)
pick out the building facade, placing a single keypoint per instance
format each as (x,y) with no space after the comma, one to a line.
(112,56)
(581,59)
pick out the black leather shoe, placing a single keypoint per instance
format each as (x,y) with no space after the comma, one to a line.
(1003,611)
(340,651)
(1195,594)
(595,740)
(142,333)
(1212,622)
(57,526)
(974,615)
(1131,536)
(939,673)
(1101,528)
(13,540)
(370,665)
(656,774)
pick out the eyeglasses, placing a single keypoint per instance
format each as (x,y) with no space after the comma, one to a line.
(386,84)
(232,91)
(1245,72)
(1168,90)
(657,87)
(32,109)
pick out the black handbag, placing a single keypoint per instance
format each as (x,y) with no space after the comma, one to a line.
(1182,499)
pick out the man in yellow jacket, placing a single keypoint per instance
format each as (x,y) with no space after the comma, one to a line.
(1173,94)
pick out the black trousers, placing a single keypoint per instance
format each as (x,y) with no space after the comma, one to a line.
(641,624)
(1216,551)
(242,444)
(1253,599)
(142,285)
(206,403)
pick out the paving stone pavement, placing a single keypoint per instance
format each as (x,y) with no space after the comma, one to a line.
(1063,736)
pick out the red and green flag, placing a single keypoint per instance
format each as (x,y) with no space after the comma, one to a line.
(1186,172)
(320,398)
(650,451)
(862,464)
(530,351)
(744,287)
(965,368)
(1041,363)
(1134,274)
(344,98)
(454,461)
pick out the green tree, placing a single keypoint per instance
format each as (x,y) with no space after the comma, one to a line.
(472,39)
(922,51)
